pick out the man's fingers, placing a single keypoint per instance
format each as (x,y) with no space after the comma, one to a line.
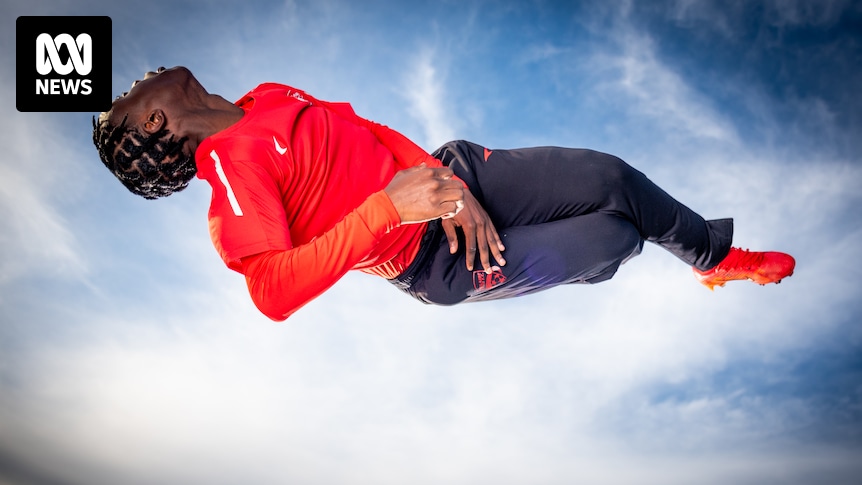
(421,194)
(479,232)
(484,254)
(470,242)
(451,235)
(496,245)
(451,199)
(459,206)
(443,172)
(489,246)
(456,206)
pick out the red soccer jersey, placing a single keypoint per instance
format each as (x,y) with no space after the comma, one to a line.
(305,176)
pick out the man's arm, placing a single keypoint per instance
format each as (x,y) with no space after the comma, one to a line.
(480,234)
(280,282)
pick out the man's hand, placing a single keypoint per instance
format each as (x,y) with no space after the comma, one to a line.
(422,194)
(479,233)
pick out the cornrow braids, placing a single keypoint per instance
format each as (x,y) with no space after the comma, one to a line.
(151,166)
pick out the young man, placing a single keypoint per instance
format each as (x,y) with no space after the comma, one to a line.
(305,190)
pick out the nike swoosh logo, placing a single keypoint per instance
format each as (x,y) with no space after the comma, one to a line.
(280,149)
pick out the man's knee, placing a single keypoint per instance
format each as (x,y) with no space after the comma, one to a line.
(615,171)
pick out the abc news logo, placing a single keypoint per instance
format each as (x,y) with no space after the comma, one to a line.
(48,60)
(71,69)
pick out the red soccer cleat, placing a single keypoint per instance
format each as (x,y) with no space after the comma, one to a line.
(741,264)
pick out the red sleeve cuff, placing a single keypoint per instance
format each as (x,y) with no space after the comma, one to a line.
(379,214)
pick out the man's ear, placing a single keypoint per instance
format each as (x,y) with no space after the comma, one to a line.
(155,121)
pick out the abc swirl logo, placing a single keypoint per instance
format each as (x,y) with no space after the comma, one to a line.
(71,70)
(48,60)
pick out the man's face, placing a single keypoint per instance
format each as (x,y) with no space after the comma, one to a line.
(158,89)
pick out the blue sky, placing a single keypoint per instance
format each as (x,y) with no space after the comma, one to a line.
(129,354)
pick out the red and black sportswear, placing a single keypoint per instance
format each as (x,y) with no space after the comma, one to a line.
(298,196)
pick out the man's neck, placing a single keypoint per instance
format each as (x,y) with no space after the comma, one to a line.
(217,115)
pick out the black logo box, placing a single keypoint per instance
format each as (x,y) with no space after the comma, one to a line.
(27,29)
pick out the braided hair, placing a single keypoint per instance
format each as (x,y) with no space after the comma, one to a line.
(151,166)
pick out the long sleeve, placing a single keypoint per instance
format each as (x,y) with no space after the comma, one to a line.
(281,282)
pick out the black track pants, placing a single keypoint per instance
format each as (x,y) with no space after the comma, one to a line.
(565,216)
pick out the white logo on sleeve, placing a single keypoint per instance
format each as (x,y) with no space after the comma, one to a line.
(280,149)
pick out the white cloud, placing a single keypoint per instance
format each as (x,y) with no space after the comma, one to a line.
(651,90)
(425,90)
(35,237)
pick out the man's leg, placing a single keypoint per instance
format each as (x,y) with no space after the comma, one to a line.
(574,216)
(565,216)
(536,185)
(583,249)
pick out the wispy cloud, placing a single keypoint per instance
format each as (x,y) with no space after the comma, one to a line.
(425,90)
(32,173)
(649,88)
